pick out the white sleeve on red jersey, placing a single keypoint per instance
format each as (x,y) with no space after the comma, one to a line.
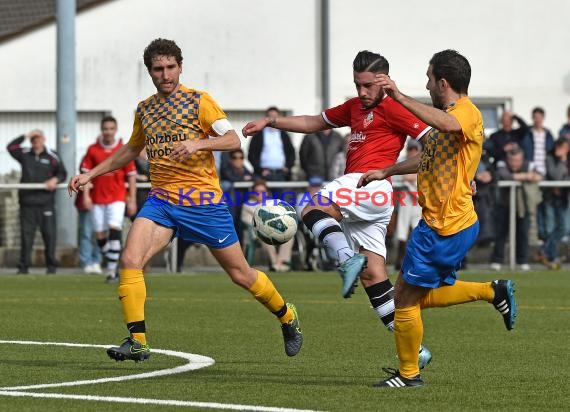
(338,116)
(404,121)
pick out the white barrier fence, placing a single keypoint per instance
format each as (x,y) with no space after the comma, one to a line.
(512,185)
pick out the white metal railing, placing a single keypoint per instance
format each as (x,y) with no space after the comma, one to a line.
(174,243)
(512,185)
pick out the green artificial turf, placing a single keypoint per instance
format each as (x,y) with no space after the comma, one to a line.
(477,364)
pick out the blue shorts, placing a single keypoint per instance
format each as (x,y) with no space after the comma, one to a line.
(211,225)
(432,260)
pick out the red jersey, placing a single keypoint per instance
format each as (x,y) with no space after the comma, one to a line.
(377,134)
(109,187)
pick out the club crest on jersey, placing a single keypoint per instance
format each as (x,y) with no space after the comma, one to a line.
(369,119)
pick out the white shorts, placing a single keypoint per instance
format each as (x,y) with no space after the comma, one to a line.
(110,215)
(366,211)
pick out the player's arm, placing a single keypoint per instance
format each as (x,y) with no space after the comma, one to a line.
(436,118)
(226,140)
(297,124)
(405,167)
(117,160)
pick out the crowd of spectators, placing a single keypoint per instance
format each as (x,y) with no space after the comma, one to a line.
(521,152)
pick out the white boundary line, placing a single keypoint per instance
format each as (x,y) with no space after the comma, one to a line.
(194,362)
(144,401)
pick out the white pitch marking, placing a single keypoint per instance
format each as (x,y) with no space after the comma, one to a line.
(145,401)
(194,362)
(198,362)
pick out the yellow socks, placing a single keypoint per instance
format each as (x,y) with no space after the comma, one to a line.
(408,332)
(460,292)
(265,293)
(132,294)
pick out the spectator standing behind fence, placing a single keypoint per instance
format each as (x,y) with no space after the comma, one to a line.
(537,143)
(279,256)
(235,171)
(317,152)
(518,169)
(506,137)
(271,152)
(484,199)
(555,204)
(107,197)
(89,252)
(338,164)
(37,207)
(409,210)
(565,129)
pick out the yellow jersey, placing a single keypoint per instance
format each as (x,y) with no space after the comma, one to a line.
(447,167)
(163,122)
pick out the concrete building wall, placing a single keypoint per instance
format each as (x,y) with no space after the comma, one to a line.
(250,54)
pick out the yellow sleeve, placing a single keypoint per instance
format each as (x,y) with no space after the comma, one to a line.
(208,113)
(470,121)
(137,136)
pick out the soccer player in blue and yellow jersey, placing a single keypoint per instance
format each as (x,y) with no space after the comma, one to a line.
(180,127)
(449,225)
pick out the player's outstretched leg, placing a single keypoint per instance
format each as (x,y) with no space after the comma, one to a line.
(381,297)
(327,229)
(263,290)
(504,301)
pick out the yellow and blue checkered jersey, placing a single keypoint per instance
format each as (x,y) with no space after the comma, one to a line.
(447,167)
(162,123)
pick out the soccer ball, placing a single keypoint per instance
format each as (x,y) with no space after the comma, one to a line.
(275,222)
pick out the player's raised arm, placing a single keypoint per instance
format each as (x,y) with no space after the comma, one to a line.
(436,117)
(118,159)
(297,124)
(408,166)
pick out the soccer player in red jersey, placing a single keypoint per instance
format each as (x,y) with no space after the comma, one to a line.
(108,197)
(351,222)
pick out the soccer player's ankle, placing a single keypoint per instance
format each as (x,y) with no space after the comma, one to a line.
(285,314)
(138,331)
(139,337)
(491,296)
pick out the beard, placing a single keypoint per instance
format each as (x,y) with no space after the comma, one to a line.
(437,101)
(374,102)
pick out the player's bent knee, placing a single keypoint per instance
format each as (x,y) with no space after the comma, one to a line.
(130,261)
(244,278)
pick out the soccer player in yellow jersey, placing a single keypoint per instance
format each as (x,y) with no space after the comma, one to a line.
(449,225)
(180,128)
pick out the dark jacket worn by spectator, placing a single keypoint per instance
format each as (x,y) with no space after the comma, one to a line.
(256,148)
(318,151)
(495,145)
(36,168)
(37,206)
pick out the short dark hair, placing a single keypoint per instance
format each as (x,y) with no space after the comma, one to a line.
(538,110)
(453,67)
(272,108)
(108,119)
(231,153)
(161,47)
(260,182)
(366,61)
